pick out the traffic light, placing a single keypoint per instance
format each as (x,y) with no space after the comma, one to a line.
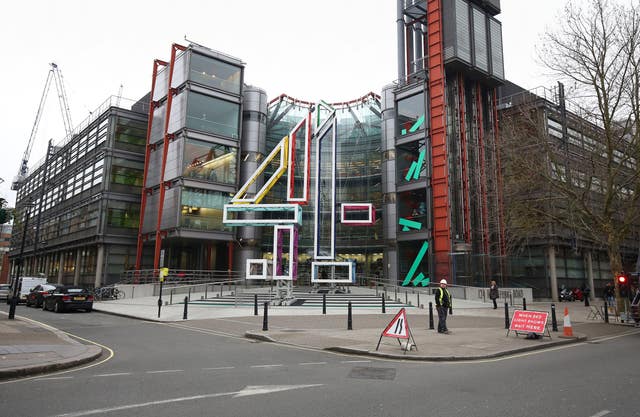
(623,285)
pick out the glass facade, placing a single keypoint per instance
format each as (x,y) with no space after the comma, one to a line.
(213,115)
(411,114)
(210,161)
(202,209)
(215,74)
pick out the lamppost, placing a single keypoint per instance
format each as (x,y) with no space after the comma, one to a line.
(14,290)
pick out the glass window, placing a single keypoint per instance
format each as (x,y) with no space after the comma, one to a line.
(411,114)
(132,132)
(121,214)
(412,210)
(202,209)
(210,161)
(480,40)
(131,174)
(215,73)
(411,161)
(213,115)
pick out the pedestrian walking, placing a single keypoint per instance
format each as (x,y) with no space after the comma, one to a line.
(609,294)
(493,293)
(443,303)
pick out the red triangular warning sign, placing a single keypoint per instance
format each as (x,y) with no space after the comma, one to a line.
(398,328)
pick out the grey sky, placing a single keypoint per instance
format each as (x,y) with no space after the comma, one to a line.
(332,50)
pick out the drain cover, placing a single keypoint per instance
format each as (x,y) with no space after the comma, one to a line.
(366,372)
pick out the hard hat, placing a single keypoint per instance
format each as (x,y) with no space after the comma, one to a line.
(443,281)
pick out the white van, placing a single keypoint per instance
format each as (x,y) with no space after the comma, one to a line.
(26,284)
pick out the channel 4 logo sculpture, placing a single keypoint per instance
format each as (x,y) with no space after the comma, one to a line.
(324,268)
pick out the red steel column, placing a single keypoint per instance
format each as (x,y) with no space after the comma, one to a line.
(440,174)
(465,162)
(147,153)
(165,148)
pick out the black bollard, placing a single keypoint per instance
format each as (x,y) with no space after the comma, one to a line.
(186,303)
(384,308)
(159,306)
(524,303)
(586,300)
(349,317)
(265,319)
(554,321)
(606,312)
(12,307)
(255,304)
(324,303)
(431,316)
(506,315)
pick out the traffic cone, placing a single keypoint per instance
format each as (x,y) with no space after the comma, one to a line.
(567,329)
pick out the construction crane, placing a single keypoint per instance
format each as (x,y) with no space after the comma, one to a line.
(56,76)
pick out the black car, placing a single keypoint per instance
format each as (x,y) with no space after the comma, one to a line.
(68,297)
(37,294)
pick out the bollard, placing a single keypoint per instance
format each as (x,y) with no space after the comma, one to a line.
(349,317)
(12,307)
(431,316)
(189,296)
(418,302)
(406,297)
(265,319)
(159,306)
(606,312)
(506,315)
(554,322)
(384,307)
(255,304)
(524,303)
(586,301)
(324,303)
(206,288)
(186,303)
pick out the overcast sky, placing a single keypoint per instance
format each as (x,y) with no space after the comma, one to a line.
(335,50)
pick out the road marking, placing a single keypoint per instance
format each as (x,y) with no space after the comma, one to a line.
(601,413)
(166,371)
(266,366)
(218,368)
(249,390)
(54,378)
(355,361)
(312,363)
(205,331)
(111,353)
(114,374)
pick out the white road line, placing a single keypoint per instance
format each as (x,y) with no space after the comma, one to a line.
(218,368)
(601,413)
(167,371)
(312,363)
(266,366)
(54,378)
(355,361)
(113,374)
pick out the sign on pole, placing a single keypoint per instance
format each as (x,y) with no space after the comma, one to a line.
(399,328)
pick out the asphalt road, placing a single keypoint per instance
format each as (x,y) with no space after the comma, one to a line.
(172,370)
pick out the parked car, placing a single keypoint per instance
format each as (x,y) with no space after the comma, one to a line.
(4,291)
(37,294)
(68,297)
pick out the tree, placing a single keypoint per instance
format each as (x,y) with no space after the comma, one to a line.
(594,194)
(6,214)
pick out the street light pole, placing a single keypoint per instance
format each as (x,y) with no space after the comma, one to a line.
(14,291)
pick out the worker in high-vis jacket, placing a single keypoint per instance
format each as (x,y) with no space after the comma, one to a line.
(443,303)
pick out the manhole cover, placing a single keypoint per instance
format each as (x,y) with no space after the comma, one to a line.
(366,372)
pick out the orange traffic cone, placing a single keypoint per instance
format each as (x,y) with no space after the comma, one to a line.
(567,329)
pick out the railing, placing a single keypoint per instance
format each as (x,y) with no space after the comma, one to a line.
(181,276)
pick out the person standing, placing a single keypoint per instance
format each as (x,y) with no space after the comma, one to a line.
(443,303)
(493,293)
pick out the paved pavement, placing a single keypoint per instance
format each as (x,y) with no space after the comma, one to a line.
(477,331)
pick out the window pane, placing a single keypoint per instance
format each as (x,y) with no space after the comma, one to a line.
(202,209)
(210,161)
(411,114)
(210,114)
(214,73)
